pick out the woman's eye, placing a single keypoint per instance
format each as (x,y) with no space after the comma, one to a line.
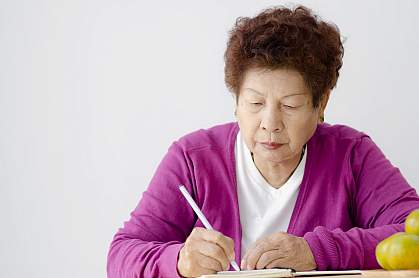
(256,103)
(288,106)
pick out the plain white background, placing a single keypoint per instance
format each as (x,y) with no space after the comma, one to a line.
(92,93)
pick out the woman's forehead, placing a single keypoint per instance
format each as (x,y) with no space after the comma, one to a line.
(279,82)
(288,94)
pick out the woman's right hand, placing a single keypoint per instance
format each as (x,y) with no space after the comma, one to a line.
(205,252)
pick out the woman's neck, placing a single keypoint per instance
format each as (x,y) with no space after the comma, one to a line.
(277,174)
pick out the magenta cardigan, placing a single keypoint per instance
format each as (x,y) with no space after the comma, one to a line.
(351,197)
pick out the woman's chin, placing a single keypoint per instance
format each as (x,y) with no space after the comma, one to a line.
(274,156)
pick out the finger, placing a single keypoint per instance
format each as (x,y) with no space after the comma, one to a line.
(275,241)
(214,251)
(226,243)
(255,253)
(198,271)
(243,263)
(266,258)
(190,266)
(209,263)
(280,263)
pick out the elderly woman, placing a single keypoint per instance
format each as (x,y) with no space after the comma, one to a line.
(280,187)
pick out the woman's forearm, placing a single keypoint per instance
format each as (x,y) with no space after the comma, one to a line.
(136,258)
(353,249)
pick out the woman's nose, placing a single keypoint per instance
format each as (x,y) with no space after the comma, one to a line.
(272,121)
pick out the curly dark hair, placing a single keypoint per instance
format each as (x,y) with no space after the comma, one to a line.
(281,37)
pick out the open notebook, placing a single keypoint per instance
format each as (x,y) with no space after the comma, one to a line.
(276,273)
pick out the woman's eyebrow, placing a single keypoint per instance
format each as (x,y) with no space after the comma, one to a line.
(290,95)
(255,91)
(295,94)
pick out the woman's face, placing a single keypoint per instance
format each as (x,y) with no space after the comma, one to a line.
(275,113)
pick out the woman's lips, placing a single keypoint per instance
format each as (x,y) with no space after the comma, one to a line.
(271,145)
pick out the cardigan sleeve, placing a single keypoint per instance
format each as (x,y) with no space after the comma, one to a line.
(381,201)
(149,243)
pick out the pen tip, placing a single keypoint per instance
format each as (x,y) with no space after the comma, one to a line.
(235,266)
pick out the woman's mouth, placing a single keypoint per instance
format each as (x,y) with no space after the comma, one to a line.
(271,145)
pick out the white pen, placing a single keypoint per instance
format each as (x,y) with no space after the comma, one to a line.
(201,217)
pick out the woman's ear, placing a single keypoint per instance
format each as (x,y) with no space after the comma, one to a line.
(236,104)
(323,104)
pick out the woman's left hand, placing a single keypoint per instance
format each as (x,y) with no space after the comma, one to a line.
(279,250)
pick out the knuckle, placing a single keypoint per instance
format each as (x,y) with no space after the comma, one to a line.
(266,245)
(277,236)
(195,231)
(191,269)
(189,243)
(249,260)
(210,263)
(219,253)
(216,265)
(200,229)
(183,251)
(225,265)
(187,266)
(264,257)
(218,237)
(208,250)
(274,263)
(188,250)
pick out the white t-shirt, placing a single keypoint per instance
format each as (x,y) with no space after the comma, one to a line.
(263,209)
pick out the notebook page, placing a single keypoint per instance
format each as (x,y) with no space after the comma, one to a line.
(262,273)
(278,273)
(326,272)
